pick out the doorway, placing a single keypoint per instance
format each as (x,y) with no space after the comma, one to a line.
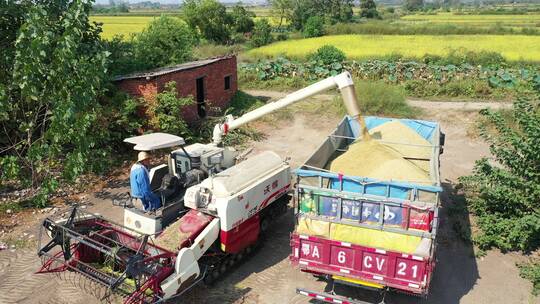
(201,104)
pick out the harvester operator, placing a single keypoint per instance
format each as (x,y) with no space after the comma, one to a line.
(140,183)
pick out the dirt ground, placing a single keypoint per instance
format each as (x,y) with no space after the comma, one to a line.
(268,277)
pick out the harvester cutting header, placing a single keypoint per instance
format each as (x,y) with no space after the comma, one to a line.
(213,212)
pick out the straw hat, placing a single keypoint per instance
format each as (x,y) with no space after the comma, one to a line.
(142,156)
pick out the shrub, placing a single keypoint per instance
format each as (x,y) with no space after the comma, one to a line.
(262,33)
(484,58)
(504,195)
(166,41)
(314,27)
(166,113)
(328,54)
(531,271)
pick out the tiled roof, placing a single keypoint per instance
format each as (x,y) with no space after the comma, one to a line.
(171,69)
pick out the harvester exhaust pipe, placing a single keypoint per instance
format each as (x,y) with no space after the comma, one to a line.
(343,81)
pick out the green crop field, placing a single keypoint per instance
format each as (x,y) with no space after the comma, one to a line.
(121,25)
(512,47)
(530,20)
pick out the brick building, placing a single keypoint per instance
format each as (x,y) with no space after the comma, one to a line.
(212,83)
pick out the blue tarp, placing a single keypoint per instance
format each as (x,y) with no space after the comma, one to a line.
(367,185)
(356,184)
(422,127)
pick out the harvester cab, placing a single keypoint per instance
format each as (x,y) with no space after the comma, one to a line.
(185,167)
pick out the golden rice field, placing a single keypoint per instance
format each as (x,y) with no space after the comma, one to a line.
(530,20)
(127,25)
(512,47)
(121,25)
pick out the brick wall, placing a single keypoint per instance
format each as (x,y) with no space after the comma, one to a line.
(214,86)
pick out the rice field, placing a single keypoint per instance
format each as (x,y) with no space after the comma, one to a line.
(512,47)
(122,25)
(530,20)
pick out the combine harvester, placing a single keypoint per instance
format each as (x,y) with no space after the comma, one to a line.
(227,213)
(368,207)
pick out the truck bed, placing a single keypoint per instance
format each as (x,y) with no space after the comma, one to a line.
(367,211)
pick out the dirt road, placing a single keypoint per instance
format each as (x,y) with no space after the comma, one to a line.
(267,277)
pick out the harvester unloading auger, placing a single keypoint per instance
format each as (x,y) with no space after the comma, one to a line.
(227,213)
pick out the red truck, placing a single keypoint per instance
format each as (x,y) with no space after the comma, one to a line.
(367,213)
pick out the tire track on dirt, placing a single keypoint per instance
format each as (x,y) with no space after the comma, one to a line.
(20,284)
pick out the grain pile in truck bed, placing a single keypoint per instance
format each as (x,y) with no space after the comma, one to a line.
(387,160)
(187,227)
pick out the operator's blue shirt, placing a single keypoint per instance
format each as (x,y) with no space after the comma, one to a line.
(140,187)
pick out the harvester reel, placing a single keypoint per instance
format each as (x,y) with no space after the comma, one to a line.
(58,236)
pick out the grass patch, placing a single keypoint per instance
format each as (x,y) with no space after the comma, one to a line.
(207,50)
(249,80)
(463,89)
(531,272)
(511,47)
(383,99)
(15,207)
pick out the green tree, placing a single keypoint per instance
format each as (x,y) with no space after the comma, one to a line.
(314,27)
(414,5)
(282,9)
(262,33)
(48,107)
(331,11)
(242,19)
(368,9)
(209,18)
(504,194)
(166,41)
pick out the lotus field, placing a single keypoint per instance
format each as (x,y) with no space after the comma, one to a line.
(512,47)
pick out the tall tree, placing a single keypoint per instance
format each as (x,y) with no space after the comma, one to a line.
(282,9)
(242,19)
(48,107)
(368,9)
(414,5)
(209,18)
(166,41)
